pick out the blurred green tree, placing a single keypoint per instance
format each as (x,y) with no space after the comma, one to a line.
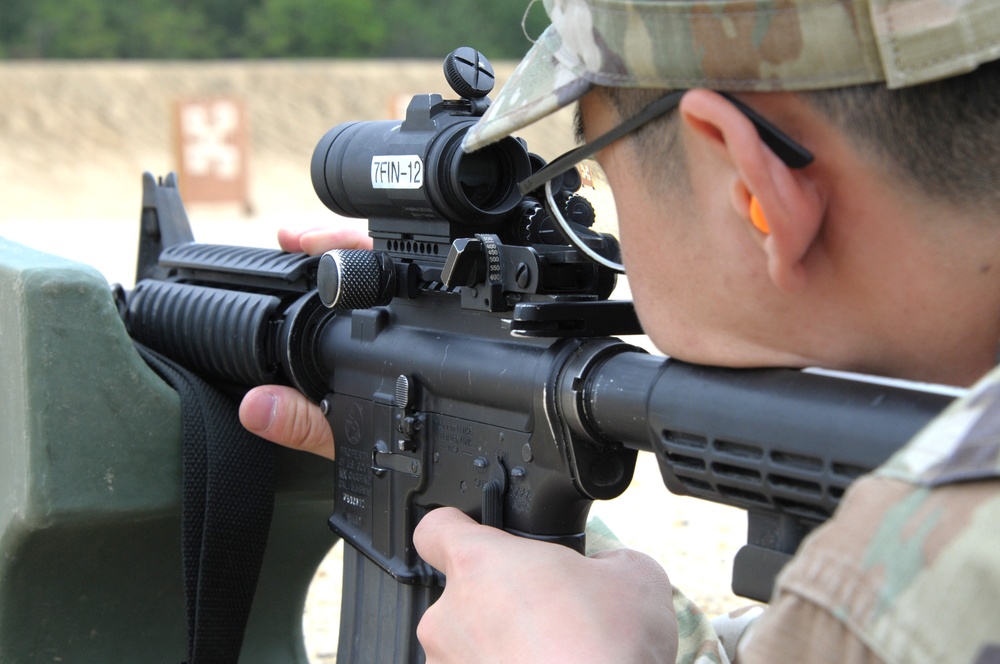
(314,28)
(430,28)
(67,29)
(178,29)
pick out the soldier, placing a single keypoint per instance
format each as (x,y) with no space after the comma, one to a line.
(875,253)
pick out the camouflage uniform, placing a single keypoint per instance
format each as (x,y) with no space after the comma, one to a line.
(923,531)
(909,569)
(700,641)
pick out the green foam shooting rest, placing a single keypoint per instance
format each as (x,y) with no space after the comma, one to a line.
(90,479)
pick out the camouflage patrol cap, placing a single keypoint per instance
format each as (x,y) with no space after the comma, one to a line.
(739,45)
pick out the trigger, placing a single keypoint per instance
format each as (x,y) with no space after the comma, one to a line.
(493,492)
(493,504)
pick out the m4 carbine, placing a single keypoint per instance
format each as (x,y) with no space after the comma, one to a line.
(468,361)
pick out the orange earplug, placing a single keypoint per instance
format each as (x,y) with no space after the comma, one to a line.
(757,216)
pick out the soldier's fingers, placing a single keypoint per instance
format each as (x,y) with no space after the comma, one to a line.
(318,240)
(282,415)
(439,529)
(346,237)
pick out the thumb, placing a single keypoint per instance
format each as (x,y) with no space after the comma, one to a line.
(442,531)
(282,415)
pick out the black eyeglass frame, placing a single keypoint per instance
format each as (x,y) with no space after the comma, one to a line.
(791,153)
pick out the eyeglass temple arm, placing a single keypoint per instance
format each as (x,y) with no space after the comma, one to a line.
(787,150)
(565,162)
(791,153)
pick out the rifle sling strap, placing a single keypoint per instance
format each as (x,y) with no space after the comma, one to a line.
(228,499)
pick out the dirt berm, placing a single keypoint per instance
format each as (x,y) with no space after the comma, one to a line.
(70,130)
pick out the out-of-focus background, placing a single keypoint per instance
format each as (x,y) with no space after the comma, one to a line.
(93,92)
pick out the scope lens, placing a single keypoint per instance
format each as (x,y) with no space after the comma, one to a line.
(483,184)
(485,177)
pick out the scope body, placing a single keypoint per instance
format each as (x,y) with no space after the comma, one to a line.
(412,181)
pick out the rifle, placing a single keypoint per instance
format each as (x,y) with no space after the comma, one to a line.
(469,360)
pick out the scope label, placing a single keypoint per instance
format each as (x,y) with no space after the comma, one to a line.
(397,172)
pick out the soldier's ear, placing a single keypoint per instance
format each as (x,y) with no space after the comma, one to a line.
(786,197)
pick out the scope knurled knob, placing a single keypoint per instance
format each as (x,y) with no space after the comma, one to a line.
(354,279)
(469,73)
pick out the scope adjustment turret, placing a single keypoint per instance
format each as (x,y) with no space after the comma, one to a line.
(469,73)
(355,279)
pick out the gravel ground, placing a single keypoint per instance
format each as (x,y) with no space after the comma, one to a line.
(75,137)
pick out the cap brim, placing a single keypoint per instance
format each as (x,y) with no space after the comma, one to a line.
(540,86)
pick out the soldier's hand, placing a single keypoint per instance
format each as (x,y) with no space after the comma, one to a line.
(281,414)
(511,599)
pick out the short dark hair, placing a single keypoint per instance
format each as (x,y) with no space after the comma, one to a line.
(656,142)
(942,138)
